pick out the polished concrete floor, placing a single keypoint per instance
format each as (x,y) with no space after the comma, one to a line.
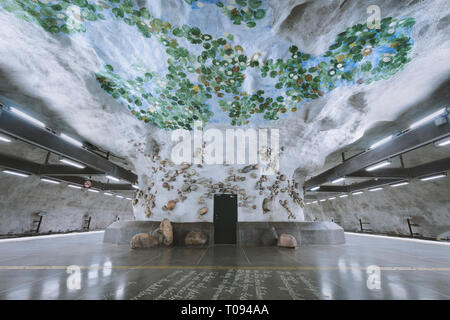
(83,267)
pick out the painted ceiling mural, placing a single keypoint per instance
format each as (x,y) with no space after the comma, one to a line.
(207,74)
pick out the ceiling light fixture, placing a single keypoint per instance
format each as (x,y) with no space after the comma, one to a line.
(315,188)
(357,192)
(399,184)
(72,163)
(108,194)
(439,143)
(338,180)
(427,118)
(93,190)
(322,200)
(15,173)
(27,117)
(343,196)
(50,181)
(314,201)
(438,176)
(332,198)
(378,165)
(376,189)
(112,178)
(135,186)
(381,142)
(4,138)
(74,186)
(71,140)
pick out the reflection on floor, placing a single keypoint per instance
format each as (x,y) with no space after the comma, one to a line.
(83,267)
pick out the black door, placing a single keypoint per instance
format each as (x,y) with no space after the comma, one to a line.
(225,218)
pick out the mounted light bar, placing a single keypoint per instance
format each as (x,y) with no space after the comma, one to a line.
(399,184)
(72,163)
(74,186)
(338,180)
(4,138)
(315,188)
(71,140)
(427,118)
(381,142)
(27,117)
(16,173)
(376,189)
(438,176)
(112,178)
(357,192)
(50,181)
(343,196)
(308,203)
(378,165)
(440,143)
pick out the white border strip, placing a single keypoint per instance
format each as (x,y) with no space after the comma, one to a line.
(400,238)
(49,236)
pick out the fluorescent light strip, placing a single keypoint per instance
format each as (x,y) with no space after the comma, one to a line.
(433,177)
(135,186)
(50,181)
(72,163)
(4,138)
(27,117)
(129,199)
(378,166)
(440,143)
(74,186)
(399,184)
(376,189)
(93,190)
(427,118)
(108,194)
(71,140)
(15,173)
(112,178)
(343,196)
(357,192)
(117,196)
(338,180)
(315,188)
(308,203)
(314,201)
(322,200)
(381,142)
(332,198)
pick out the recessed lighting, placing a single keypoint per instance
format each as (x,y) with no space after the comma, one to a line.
(112,178)
(315,188)
(74,186)
(343,196)
(72,163)
(399,184)
(338,180)
(381,142)
(357,192)
(4,138)
(376,189)
(15,173)
(427,118)
(107,194)
(433,177)
(378,165)
(27,117)
(439,143)
(50,181)
(71,140)
(93,190)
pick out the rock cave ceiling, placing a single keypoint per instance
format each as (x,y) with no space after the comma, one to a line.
(196,71)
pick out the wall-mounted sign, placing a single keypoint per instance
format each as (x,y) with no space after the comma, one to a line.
(87,184)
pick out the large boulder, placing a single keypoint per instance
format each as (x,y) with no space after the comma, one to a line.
(195,238)
(287,241)
(167,231)
(143,241)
